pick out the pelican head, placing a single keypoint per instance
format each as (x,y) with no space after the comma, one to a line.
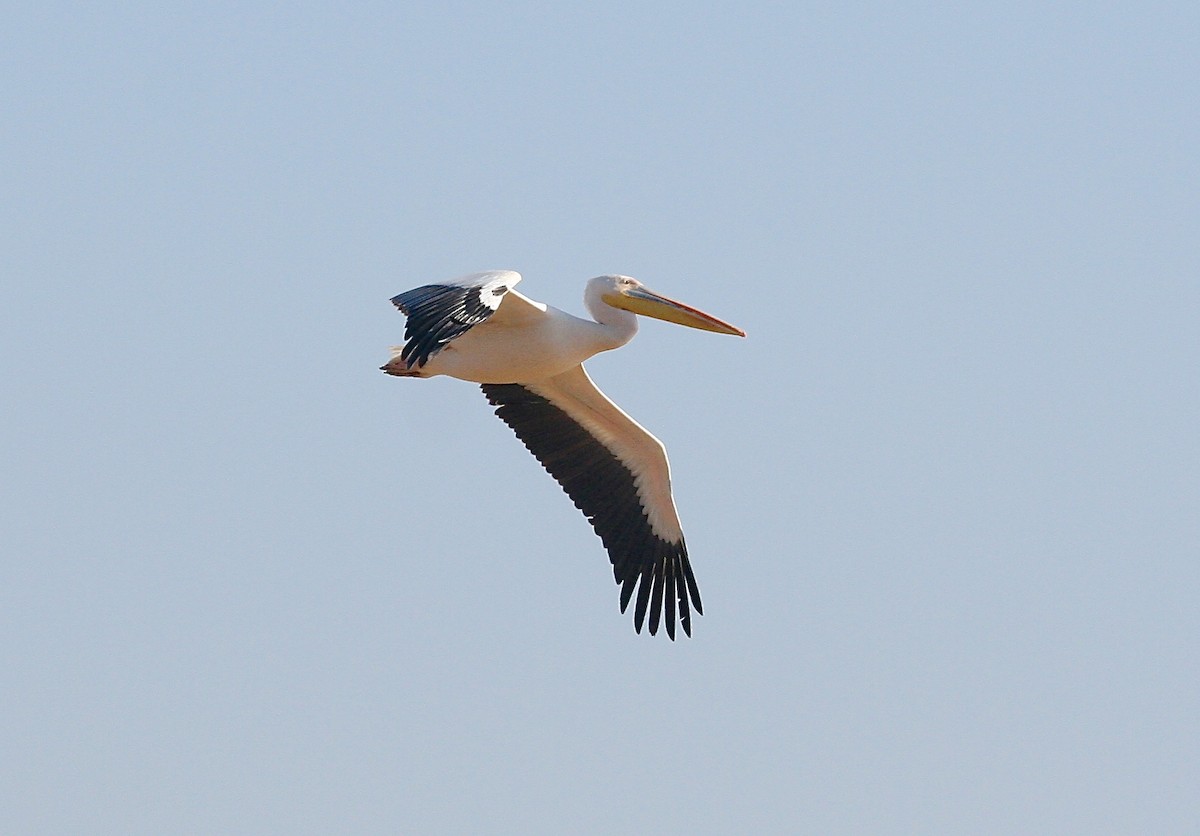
(629,294)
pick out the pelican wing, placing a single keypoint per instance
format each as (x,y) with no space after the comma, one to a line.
(437,313)
(617,474)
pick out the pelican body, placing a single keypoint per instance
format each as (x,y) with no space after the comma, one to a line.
(528,358)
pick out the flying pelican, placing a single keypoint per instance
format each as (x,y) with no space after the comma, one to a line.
(528,357)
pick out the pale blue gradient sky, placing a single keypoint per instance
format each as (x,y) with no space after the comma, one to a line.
(943,503)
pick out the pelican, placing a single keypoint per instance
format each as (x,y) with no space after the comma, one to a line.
(528,358)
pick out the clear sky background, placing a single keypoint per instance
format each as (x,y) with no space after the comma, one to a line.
(943,502)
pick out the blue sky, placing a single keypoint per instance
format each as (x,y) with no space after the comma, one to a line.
(943,502)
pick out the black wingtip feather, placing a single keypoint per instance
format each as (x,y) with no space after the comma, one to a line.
(627,587)
(693,589)
(645,584)
(656,597)
(669,598)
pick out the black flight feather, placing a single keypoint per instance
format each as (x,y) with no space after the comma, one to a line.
(439,313)
(604,490)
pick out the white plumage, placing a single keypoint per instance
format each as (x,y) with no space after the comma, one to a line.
(528,357)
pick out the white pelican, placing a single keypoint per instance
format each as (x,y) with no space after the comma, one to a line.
(528,357)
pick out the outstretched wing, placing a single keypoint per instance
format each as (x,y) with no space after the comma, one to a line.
(617,474)
(437,313)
